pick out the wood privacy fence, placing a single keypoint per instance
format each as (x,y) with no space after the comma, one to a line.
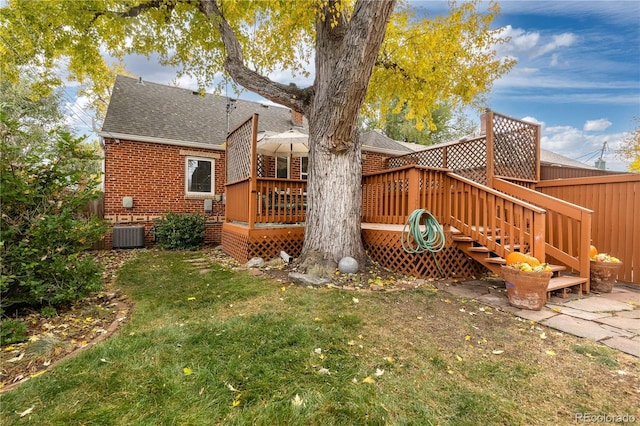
(615,226)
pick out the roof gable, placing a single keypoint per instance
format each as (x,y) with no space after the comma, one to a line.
(151,110)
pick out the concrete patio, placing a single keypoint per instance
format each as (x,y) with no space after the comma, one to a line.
(611,319)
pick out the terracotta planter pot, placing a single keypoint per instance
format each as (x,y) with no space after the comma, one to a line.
(526,290)
(604,275)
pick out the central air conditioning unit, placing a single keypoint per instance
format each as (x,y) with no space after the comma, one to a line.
(128,237)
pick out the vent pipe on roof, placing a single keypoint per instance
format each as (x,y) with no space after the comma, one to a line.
(140,80)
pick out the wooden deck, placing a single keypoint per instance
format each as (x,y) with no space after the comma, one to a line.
(478,190)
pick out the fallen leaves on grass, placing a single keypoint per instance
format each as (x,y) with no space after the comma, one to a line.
(27,411)
(54,337)
(297,401)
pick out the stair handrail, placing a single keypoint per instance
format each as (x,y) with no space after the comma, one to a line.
(574,257)
(504,195)
(537,245)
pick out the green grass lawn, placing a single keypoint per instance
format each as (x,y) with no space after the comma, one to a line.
(225,347)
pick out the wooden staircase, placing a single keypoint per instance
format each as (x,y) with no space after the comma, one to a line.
(560,281)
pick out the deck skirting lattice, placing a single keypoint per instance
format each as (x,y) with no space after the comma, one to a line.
(385,247)
(243,244)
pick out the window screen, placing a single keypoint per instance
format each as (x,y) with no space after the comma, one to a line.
(199,175)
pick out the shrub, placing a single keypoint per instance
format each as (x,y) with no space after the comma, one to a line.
(180,231)
(44,231)
(12,331)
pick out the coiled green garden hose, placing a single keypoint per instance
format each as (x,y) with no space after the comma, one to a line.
(417,241)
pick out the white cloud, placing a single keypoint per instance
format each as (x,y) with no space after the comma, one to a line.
(557,41)
(582,146)
(532,43)
(79,116)
(533,120)
(596,125)
(521,41)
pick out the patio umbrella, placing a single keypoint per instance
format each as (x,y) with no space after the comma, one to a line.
(291,143)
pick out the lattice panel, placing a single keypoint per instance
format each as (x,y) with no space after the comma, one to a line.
(239,152)
(261,166)
(385,248)
(476,175)
(429,158)
(235,245)
(265,243)
(269,248)
(469,155)
(515,148)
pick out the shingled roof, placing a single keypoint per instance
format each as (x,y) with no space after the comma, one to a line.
(555,159)
(376,141)
(149,110)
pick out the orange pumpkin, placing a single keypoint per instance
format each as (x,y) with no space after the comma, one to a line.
(517,257)
(593,251)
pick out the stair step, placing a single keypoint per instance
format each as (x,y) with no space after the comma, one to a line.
(479,249)
(496,260)
(557,268)
(483,230)
(512,248)
(564,281)
(461,238)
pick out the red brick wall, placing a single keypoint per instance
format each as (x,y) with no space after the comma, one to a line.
(270,167)
(373,162)
(154,175)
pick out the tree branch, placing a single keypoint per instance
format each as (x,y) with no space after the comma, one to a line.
(403,72)
(289,95)
(136,10)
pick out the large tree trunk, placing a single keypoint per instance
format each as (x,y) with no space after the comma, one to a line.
(346,52)
(334,208)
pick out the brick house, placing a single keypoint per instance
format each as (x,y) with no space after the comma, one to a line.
(164,152)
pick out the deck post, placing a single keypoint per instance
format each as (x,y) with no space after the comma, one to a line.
(413,177)
(490,140)
(539,241)
(253,181)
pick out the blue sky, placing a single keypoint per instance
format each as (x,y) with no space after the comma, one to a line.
(578,72)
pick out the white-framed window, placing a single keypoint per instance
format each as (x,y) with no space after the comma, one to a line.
(282,167)
(199,176)
(304,167)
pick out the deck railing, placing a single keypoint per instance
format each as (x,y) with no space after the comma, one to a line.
(498,221)
(391,195)
(568,228)
(482,213)
(280,200)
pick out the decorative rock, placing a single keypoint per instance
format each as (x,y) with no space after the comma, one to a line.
(306,279)
(256,262)
(348,265)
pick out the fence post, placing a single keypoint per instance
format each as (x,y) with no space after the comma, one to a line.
(583,248)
